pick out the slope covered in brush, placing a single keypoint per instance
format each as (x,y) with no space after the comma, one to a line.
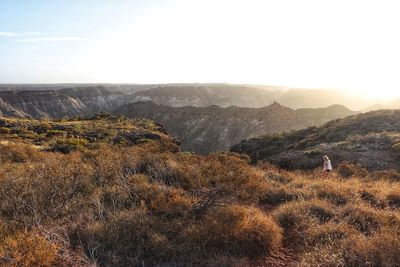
(124,196)
(84,133)
(213,128)
(145,204)
(371,139)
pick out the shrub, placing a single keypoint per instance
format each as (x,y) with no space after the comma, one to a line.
(232,173)
(130,238)
(322,213)
(306,211)
(162,169)
(52,133)
(298,217)
(390,175)
(333,194)
(393,198)
(382,249)
(372,199)
(364,219)
(346,170)
(44,127)
(26,249)
(19,153)
(5,130)
(328,233)
(278,177)
(396,147)
(330,255)
(170,203)
(276,195)
(49,189)
(68,145)
(238,230)
(312,153)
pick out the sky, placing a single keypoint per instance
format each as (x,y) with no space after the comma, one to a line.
(343,44)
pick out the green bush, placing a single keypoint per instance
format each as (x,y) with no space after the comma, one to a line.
(51,133)
(312,153)
(44,127)
(396,147)
(346,170)
(68,145)
(5,130)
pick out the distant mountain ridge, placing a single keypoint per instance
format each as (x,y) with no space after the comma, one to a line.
(125,88)
(207,129)
(207,95)
(63,100)
(371,139)
(394,104)
(60,103)
(226,95)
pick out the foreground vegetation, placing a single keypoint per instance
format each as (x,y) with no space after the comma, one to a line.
(146,204)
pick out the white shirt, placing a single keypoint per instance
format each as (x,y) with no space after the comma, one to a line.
(327,165)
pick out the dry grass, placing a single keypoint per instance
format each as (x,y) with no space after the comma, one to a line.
(239,231)
(149,205)
(393,198)
(28,249)
(137,205)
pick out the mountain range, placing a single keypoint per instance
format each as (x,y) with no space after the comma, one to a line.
(205,117)
(253,96)
(59,103)
(213,128)
(199,95)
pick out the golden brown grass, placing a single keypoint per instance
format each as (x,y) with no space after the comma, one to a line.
(238,230)
(148,205)
(28,249)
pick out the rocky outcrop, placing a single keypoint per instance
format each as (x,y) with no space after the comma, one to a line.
(207,129)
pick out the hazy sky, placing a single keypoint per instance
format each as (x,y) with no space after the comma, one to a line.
(353,45)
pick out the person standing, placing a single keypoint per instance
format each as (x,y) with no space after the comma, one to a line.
(327,164)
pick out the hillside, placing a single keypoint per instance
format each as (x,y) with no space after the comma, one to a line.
(66,100)
(60,103)
(118,201)
(203,95)
(87,133)
(126,88)
(207,129)
(370,139)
